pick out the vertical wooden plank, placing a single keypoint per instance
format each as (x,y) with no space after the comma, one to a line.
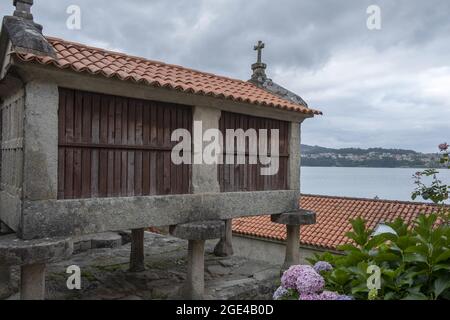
(131,141)
(153,141)
(68,172)
(174,185)
(103,163)
(166,155)
(86,153)
(124,153)
(139,142)
(146,154)
(95,140)
(111,138)
(78,114)
(61,139)
(117,141)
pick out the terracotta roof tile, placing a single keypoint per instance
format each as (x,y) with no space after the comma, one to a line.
(333,215)
(85,59)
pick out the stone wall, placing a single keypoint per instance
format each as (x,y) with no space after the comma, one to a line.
(267,250)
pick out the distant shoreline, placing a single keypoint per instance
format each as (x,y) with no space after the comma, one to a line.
(364,167)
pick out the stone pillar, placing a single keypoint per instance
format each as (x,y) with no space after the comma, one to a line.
(32,256)
(292,247)
(224,247)
(196,233)
(137,251)
(294,157)
(5,282)
(204,176)
(293,221)
(32,282)
(40,166)
(194,288)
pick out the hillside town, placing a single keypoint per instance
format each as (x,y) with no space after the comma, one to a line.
(374,157)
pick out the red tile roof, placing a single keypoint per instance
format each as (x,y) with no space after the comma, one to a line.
(85,59)
(333,215)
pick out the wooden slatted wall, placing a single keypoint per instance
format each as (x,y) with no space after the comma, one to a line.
(112,146)
(247,177)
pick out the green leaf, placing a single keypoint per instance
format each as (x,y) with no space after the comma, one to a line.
(440,285)
(386,257)
(416,296)
(441,267)
(414,258)
(444,256)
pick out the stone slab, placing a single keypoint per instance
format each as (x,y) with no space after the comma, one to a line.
(18,252)
(54,218)
(203,230)
(295,218)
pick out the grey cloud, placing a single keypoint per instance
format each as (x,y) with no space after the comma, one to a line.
(395,107)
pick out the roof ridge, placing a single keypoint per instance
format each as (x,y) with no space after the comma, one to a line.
(125,55)
(371,200)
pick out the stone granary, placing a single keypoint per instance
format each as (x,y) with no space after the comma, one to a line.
(86,148)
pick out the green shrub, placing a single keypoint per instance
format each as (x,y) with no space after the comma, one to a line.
(414,264)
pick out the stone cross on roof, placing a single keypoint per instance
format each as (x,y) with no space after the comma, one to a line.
(259,48)
(259,68)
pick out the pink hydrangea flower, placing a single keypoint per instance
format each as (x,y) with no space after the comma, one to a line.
(309,281)
(290,276)
(310,297)
(322,266)
(329,295)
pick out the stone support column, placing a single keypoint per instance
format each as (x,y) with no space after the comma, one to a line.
(195,281)
(292,246)
(224,247)
(137,251)
(32,257)
(197,233)
(293,221)
(32,282)
(5,282)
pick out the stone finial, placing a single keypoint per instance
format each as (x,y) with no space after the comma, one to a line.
(259,68)
(23,9)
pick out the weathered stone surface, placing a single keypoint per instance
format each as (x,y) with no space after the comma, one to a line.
(295,218)
(52,218)
(26,36)
(292,256)
(204,176)
(106,240)
(194,286)
(137,251)
(105,274)
(32,282)
(5,282)
(204,230)
(14,251)
(224,247)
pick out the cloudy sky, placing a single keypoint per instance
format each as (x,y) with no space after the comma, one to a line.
(388,87)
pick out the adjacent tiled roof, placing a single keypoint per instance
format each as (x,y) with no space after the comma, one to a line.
(85,59)
(333,215)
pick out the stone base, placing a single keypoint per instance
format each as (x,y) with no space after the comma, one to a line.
(5,282)
(224,247)
(97,241)
(196,233)
(137,251)
(32,257)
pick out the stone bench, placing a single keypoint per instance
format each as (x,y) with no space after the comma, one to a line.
(293,221)
(197,233)
(32,256)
